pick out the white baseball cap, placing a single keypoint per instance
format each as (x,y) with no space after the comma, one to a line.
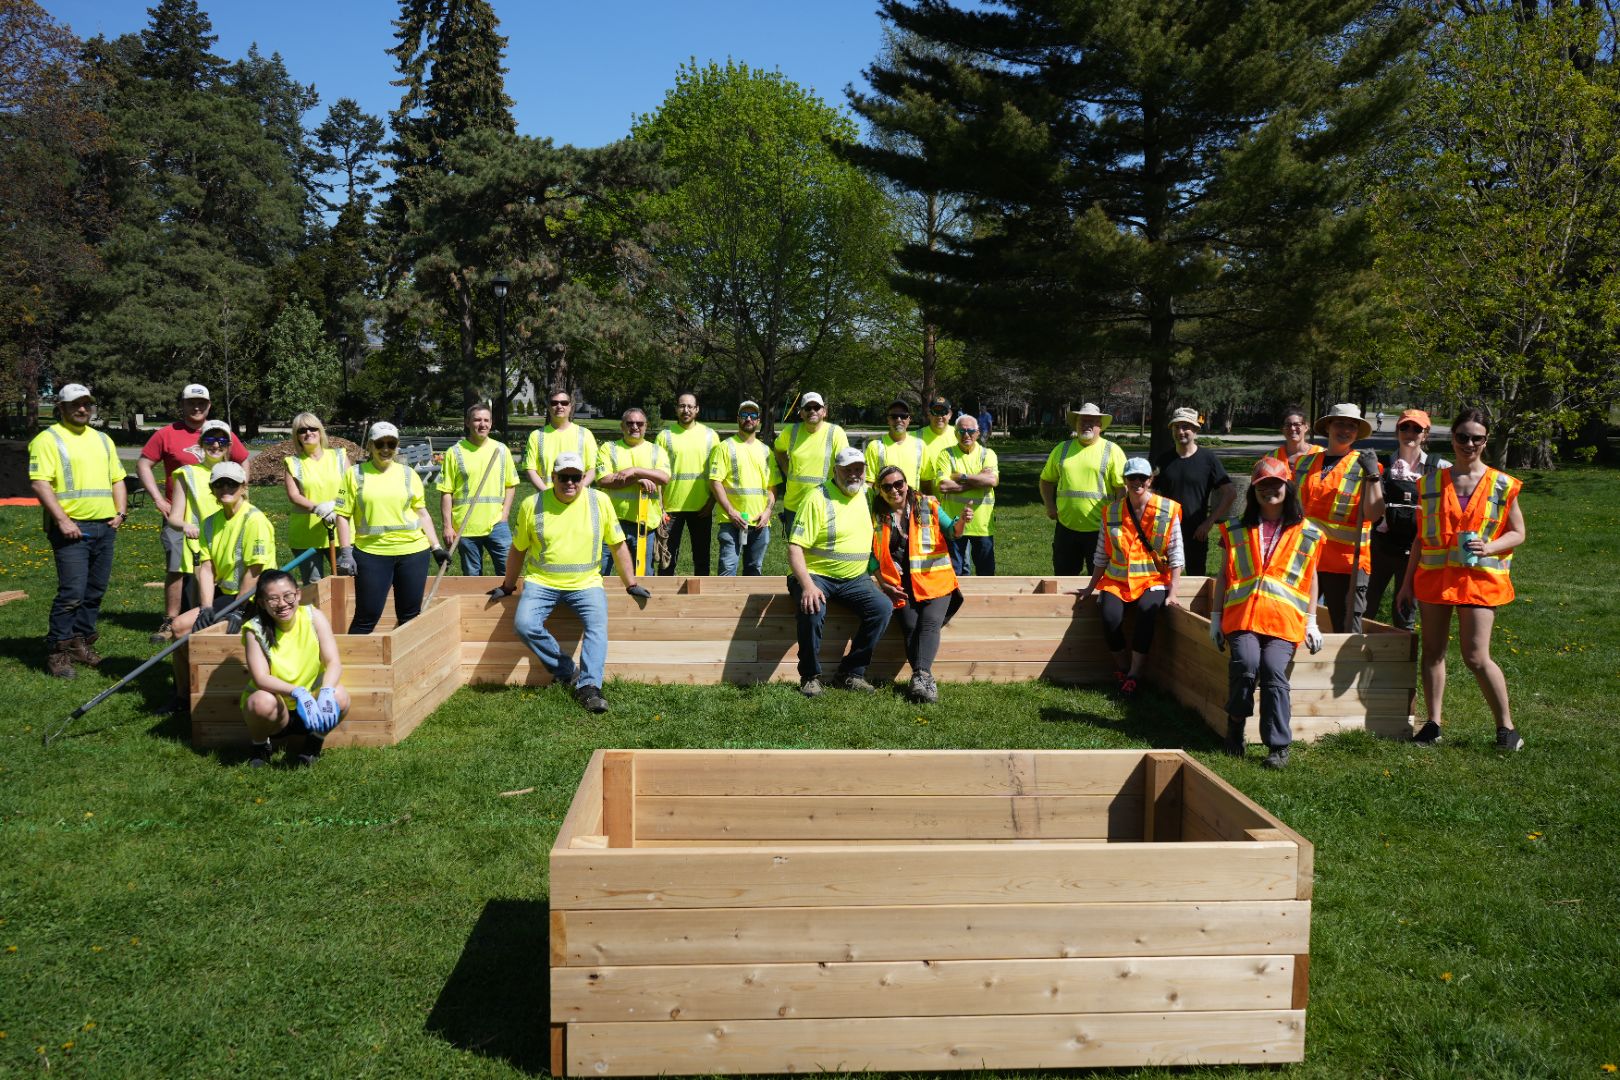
(567,460)
(849,456)
(382,429)
(213,425)
(812,398)
(195,390)
(73,392)
(748,405)
(228,470)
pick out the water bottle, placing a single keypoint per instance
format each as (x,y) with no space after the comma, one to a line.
(1464,538)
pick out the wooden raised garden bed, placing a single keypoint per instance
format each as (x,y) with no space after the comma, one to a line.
(807,911)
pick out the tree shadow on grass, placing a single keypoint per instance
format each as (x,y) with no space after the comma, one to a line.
(497,1001)
(1151,718)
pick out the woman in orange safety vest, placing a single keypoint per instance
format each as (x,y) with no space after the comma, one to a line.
(1468,526)
(1296,433)
(1137,563)
(1264,605)
(912,560)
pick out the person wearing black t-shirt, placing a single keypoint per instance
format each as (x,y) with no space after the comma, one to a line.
(1190,474)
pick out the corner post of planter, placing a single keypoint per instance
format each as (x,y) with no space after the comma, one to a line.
(1161,798)
(619,798)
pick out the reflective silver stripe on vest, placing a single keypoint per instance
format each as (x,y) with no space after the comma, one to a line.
(736,475)
(360,504)
(540,535)
(71,492)
(241,535)
(191,497)
(1102,472)
(466,479)
(832,536)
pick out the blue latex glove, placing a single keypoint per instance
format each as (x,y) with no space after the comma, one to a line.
(327,712)
(305,701)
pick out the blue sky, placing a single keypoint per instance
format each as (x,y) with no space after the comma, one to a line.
(578,72)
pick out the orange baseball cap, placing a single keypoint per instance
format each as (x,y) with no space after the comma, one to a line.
(1417,416)
(1270,468)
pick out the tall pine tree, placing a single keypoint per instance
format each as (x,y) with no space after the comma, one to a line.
(1161,179)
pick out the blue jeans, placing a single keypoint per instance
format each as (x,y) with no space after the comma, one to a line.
(753,553)
(984,555)
(647,540)
(862,597)
(471,549)
(83,568)
(535,605)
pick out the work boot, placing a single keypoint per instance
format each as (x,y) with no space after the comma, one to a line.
(164,633)
(59,662)
(308,752)
(1277,759)
(1233,745)
(923,689)
(810,687)
(591,698)
(845,680)
(82,649)
(259,754)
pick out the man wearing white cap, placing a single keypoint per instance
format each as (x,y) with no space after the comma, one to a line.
(79,481)
(804,454)
(175,445)
(1342,496)
(828,551)
(557,538)
(238,542)
(1080,476)
(1189,475)
(743,478)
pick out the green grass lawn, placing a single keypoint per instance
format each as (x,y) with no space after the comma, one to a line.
(167,913)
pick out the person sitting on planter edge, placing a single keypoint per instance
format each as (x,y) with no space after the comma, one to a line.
(912,559)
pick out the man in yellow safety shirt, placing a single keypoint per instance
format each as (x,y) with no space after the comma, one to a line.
(938,437)
(899,448)
(1080,477)
(79,481)
(687,502)
(555,540)
(827,554)
(560,435)
(804,454)
(743,478)
(968,475)
(633,472)
(475,495)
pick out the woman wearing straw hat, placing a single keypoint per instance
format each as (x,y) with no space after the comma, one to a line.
(1264,606)
(1393,536)
(1079,478)
(1342,497)
(1137,563)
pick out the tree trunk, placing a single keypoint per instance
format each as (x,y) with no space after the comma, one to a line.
(930,362)
(469,344)
(1161,332)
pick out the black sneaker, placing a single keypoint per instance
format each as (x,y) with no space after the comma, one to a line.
(1428,735)
(1233,744)
(1509,739)
(591,698)
(1277,759)
(259,754)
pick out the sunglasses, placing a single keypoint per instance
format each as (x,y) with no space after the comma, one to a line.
(559,404)
(1409,427)
(968,432)
(811,408)
(634,423)
(899,416)
(215,440)
(1469,440)
(938,410)
(896,485)
(309,431)
(385,444)
(748,416)
(224,485)
(570,478)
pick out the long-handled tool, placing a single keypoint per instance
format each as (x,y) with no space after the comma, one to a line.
(1354,599)
(437,580)
(241,598)
(331,548)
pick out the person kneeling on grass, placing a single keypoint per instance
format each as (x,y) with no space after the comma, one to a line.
(293,671)
(237,542)
(1263,605)
(912,558)
(555,541)
(1137,564)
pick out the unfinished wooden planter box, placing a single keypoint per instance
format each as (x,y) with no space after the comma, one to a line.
(808,911)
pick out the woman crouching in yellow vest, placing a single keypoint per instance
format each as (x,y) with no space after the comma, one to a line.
(911,556)
(293,671)
(1137,564)
(1263,605)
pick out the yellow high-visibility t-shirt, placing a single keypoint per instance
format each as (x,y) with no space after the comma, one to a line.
(562,542)
(687,451)
(747,470)
(1087,477)
(809,458)
(384,508)
(835,531)
(81,468)
(233,544)
(540,452)
(476,479)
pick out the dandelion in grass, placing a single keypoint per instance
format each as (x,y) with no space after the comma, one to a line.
(68,1045)
(1605,1067)
(1532,836)
(89,1025)
(1445,976)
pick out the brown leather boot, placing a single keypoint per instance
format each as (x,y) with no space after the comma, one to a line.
(82,649)
(59,662)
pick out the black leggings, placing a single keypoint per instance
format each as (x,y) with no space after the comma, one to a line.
(1147,606)
(921,621)
(375,574)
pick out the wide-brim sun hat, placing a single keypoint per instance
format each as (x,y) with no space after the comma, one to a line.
(1090,409)
(1344,411)
(1186,416)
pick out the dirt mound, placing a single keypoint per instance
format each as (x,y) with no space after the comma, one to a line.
(14,470)
(267,466)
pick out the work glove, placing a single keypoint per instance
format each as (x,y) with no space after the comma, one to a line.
(1369,464)
(1217,637)
(233,624)
(441,556)
(304,701)
(327,712)
(345,562)
(500,592)
(1313,638)
(638,592)
(327,512)
(205,619)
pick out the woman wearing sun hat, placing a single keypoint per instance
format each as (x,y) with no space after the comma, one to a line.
(314,475)
(1138,561)
(1392,537)
(385,532)
(1342,497)
(1264,605)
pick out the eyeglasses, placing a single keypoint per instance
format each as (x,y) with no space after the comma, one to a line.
(1469,440)
(894,485)
(748,416)
(1294,424)
(570,478)
(309,431)
(385,444)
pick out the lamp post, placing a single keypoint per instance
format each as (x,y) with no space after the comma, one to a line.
(499,285)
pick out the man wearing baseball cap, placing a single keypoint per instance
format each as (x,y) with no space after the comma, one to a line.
(1189,475)
(175,445)
(804,454)
(828,551)
(743,478)
(557,538)
(1079,478)
(79,481)
(938,437)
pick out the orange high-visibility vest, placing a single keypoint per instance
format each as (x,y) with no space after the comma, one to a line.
(1132,570)
(1267,596)
(1281,454)
(1442,576)
(1331,500)
(928,556)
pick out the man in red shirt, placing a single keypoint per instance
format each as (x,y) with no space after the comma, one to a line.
(175,445)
